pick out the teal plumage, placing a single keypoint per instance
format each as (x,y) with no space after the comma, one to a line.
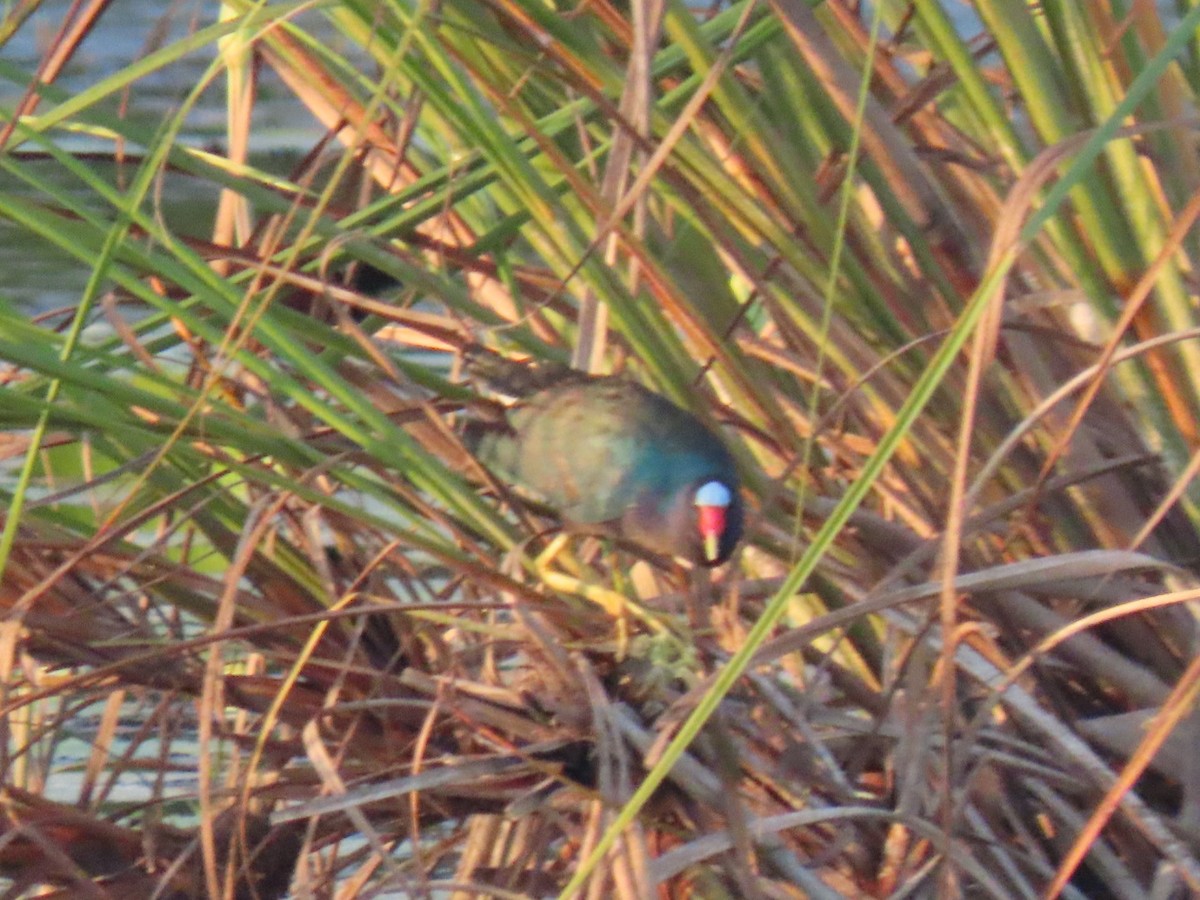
(612,457)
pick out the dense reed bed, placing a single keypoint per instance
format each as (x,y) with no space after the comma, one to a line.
(929,269)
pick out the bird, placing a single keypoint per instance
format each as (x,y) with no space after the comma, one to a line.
(613,458)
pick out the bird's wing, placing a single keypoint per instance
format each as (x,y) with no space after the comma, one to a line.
(577,448)
(593,449)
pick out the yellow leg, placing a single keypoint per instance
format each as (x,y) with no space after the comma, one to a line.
(616,604)
(542,561)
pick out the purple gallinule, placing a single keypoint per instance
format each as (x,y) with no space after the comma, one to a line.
(616,459)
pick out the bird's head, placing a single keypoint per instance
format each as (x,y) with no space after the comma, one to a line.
(713,500)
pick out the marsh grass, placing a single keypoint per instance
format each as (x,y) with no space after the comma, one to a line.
(932,277)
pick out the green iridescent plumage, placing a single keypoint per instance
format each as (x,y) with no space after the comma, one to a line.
(613,457)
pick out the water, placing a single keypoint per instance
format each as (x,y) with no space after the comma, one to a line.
(39,278)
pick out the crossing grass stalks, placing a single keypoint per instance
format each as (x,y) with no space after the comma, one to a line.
(267,621)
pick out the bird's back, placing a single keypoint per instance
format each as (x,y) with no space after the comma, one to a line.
(591,447)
